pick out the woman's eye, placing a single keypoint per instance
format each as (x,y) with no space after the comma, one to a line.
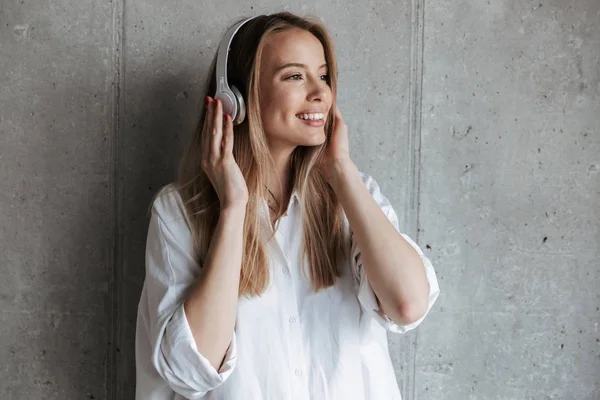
(297,77)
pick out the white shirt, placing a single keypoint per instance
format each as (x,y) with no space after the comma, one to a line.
(288,344)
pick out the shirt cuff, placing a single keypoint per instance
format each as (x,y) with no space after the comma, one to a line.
(181,352)
(368,299)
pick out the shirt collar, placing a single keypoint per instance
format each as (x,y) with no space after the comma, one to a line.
(294,198)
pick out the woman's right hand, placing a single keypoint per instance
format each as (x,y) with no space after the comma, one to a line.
(217,157)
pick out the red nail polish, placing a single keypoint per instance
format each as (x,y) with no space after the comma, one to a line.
(206,100)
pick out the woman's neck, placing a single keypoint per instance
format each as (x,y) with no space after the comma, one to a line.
(280,181)
(279,190)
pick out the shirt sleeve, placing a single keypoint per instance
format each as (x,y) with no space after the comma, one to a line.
(365,293)
(170,271)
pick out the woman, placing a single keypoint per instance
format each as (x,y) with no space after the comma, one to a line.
(234,307)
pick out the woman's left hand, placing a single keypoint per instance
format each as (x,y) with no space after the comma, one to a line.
(337,153)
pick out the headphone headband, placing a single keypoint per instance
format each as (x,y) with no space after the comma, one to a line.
(233,101)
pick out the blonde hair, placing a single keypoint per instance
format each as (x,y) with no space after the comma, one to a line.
(322,214)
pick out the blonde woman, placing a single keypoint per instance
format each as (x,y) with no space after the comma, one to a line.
(274,267)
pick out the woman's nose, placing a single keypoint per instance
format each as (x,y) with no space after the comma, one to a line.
(318,91)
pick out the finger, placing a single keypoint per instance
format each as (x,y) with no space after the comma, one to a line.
(228,136)
(338,113)
(339,121)
(217,131)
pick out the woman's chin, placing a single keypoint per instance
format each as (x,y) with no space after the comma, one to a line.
(314,140)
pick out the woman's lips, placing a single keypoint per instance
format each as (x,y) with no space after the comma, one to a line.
(316,123)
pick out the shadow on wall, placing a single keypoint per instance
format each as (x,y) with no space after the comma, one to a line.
(160,115)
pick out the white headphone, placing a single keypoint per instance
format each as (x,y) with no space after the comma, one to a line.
(232,99)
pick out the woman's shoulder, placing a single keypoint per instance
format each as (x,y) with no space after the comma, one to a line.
(370,182)
(168,205)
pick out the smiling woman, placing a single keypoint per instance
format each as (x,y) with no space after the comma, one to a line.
(294,87)
(274,267)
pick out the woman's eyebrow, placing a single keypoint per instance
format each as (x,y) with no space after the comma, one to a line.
(299,65)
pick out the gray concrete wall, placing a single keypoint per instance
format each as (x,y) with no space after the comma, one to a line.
(480,120)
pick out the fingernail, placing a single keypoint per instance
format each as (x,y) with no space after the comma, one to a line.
(206,100)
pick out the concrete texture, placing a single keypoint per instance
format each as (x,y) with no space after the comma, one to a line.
(55,210)
(480,120)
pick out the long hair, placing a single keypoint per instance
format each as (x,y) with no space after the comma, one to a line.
(322,214)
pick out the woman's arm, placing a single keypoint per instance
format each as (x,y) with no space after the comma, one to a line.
(211,305)
(393,267)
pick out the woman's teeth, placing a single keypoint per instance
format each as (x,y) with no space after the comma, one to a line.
(311,116)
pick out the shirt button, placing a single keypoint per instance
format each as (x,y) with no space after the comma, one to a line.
(284,270)
(292,320)
(298,372)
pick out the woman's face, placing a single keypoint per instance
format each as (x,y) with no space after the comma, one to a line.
(295,94)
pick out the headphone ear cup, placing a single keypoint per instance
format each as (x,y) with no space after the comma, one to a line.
(228,102)
(241,106)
